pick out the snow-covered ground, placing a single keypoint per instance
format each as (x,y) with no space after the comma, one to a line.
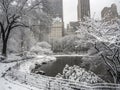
(9,84)
(18,78)
(13,60)
(73,55)
(30,64)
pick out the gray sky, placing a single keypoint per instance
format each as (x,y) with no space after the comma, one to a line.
(70,8)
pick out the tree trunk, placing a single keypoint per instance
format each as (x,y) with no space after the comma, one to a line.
(4,48)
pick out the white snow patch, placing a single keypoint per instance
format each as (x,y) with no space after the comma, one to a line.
(29,65)
(11,85)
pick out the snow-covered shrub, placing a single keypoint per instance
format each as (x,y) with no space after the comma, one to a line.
(70,44)
(44,45)
(65,44)
(40,48)
(57,45)
(78,74)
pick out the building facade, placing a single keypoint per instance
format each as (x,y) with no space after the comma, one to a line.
(57,8)
(109,13)
(57,28)
(72,27)
(83,9)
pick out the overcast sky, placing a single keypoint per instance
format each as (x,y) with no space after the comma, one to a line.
(70,8)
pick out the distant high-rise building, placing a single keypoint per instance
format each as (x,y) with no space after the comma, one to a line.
(72,27)
(83,9)
(57,8)
(109,13)
(57,28)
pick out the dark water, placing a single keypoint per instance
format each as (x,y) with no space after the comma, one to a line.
(53,68)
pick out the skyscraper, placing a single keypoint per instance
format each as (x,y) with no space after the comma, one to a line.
(83,9)
(109,13)
(57,8)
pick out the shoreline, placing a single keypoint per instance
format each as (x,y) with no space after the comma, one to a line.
(68,55)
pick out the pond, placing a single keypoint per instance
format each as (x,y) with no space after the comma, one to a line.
(53,68)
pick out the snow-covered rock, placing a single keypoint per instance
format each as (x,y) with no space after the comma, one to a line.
(75,73)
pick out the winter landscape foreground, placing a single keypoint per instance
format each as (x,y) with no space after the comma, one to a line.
(35,55)
(19,72)
(16,75)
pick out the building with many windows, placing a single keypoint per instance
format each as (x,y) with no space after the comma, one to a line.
(57,28)
(83,9)
(56,31)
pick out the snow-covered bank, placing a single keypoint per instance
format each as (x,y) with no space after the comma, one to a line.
(49,83)
(14,63)
(72,55)
(10,84)
(27,66)
(23,78)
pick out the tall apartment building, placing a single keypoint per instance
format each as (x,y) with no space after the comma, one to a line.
(83,9)
(57,8)
(57,28)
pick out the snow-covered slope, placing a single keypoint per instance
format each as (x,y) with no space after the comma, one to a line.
(6,84)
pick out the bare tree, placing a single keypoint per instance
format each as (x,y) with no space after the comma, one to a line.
(12,15)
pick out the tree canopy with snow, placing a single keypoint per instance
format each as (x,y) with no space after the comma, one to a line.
(19,13)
